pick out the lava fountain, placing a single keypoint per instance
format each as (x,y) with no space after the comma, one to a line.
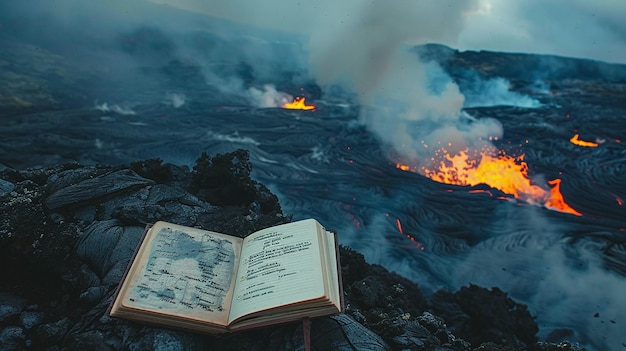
(501,171)
(298,104)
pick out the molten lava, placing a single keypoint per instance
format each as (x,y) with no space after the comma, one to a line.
(503,172)
(298,104)
(574,140)
(403,167)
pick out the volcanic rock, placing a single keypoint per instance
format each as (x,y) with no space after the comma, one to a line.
(516,66)
(69,233)
(480,315)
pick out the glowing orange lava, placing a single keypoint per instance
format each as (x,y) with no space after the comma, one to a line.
(403,167)
(556,200)
(574,140)
(298,104)
(399,226)
(503,172)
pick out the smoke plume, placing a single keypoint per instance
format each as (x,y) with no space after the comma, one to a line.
(268,97)
(370,56)
(496,92)
(127,50)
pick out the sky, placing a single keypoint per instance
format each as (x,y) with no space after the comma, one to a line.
(593,29)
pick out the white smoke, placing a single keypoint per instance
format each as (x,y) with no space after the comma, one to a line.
(175,100)
(122,110)
(370,56)
(588,299)
(565,286)
(268,97)
(496,92)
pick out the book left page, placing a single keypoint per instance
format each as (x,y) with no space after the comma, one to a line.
(183,272)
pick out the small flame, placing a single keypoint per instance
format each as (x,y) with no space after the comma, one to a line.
(415,243)
(619,200)
(298,104)
(574,140)
(503,172)
(399,226)
(556,200)
(403,167)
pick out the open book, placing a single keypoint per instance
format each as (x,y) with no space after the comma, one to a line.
(203,281)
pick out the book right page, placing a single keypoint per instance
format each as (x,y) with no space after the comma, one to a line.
(279,266)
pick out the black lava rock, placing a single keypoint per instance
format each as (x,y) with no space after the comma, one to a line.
(69,232)
(480,315)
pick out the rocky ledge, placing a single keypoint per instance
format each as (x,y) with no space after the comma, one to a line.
(67,234)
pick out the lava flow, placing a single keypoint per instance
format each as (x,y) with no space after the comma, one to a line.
(574,140)
(503,172)
(298,104)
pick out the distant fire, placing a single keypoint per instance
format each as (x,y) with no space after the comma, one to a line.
(298,104)
(403,167)
(574,140)
(503,172)
(415,243)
